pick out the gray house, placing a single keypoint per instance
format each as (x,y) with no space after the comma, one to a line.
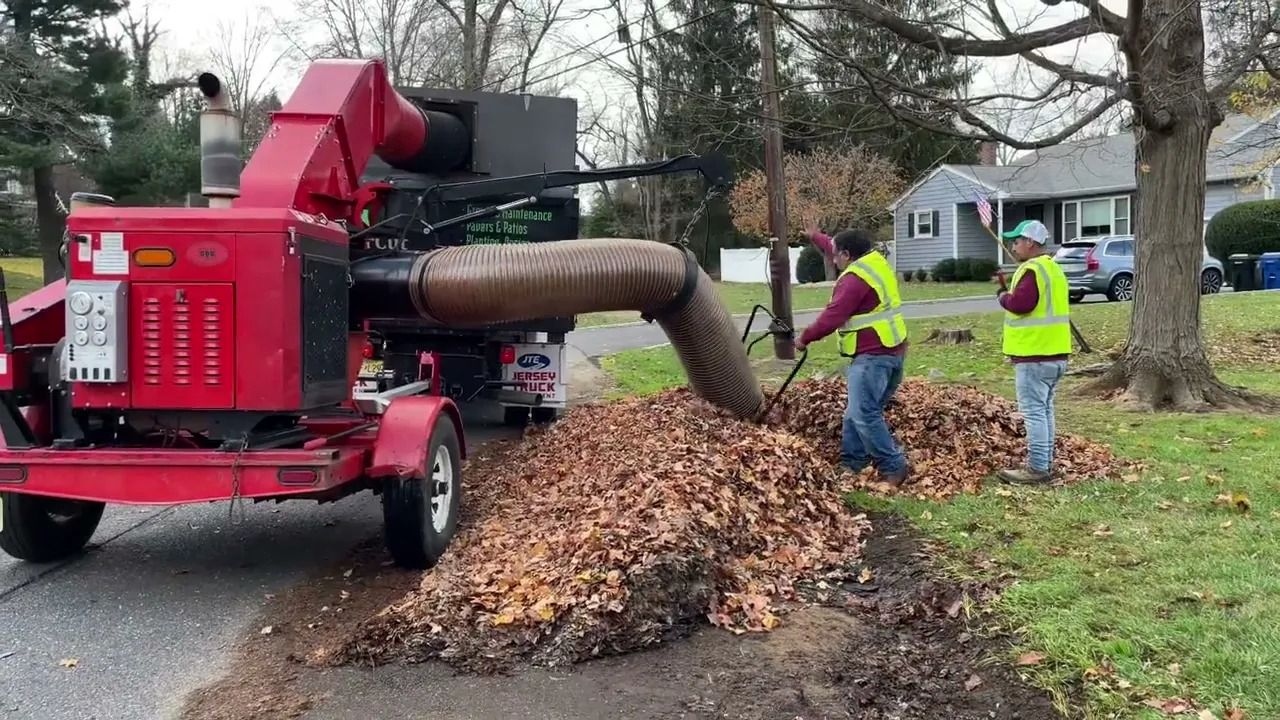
(1078,189)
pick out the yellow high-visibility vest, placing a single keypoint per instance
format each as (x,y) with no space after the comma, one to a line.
(1046,330)
(886,317)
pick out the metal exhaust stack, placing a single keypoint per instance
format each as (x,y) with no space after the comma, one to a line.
(219,144)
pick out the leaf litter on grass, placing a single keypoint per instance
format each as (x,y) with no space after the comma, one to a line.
(955,436)
(628,523)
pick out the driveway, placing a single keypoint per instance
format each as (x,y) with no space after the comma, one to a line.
(152,610)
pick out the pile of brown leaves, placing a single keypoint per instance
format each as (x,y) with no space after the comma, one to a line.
(955,436)
(619,526)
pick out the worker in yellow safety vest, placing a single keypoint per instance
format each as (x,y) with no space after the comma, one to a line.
(865,313)
(1037,340)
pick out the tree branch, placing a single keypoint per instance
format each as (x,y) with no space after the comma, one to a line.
(922,35)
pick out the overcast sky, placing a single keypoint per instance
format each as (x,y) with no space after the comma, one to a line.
(189,28)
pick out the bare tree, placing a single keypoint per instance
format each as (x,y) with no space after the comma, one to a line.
(245,55)
(1174,98)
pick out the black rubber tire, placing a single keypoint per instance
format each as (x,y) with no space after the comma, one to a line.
(545,415)
(411,537)
(29,531)
(1207,286)
(1075,298)
(1113,289)
(515,416)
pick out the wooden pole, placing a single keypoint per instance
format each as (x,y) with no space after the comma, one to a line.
(775,187)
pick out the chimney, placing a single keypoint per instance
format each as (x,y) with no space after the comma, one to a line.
(219,144)
(987,153)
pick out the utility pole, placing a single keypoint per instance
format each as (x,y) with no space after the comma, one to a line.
(775,187)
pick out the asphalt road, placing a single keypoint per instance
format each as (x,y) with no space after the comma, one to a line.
(151,612)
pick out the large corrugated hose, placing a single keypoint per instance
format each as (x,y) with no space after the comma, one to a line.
(483,284)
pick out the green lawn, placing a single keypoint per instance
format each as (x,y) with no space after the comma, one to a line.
(22,275)
(741,297)
(1163,586)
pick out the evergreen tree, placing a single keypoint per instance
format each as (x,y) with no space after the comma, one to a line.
(843,99)
(59,77)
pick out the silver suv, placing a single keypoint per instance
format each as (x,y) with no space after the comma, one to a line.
(1104,265)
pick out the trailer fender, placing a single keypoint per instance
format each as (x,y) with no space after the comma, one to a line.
(400,449)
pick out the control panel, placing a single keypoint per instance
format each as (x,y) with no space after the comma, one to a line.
(97,313)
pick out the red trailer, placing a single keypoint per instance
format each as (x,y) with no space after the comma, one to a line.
(209,354)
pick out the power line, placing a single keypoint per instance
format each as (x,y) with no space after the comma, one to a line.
(628,46)
(598,40)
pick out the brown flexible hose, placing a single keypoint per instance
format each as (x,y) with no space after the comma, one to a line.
(483,284)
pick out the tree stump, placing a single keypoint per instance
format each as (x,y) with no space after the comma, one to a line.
(950,337)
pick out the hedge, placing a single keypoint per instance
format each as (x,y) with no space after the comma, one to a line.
(1248,227)
(810,268)
(964,269)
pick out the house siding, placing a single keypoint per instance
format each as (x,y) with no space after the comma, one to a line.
(1222,195)
(940,194)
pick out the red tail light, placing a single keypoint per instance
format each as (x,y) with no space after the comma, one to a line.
(1090,262)
(508,355)
(368,351)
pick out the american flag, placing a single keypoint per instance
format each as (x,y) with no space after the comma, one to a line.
(984,210)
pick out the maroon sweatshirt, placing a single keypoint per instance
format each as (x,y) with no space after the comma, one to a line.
(1022,300)
(851,296)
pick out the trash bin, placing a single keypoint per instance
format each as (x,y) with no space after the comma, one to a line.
(1270,265)
(1244,272)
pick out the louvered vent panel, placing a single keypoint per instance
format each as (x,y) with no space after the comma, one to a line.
(183,339)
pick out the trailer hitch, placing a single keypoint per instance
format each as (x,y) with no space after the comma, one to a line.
(776,327)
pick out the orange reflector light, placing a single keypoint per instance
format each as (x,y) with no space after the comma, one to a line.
(13,474)
(298,476)
(152,258)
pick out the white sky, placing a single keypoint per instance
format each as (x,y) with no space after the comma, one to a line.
(189,28)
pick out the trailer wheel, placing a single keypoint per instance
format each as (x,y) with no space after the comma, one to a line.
(420,516)
(544,415)
(43,529)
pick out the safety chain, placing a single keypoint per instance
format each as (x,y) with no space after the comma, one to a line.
(712,193)
(236,500)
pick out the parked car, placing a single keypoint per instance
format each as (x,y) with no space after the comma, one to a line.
(1104,266)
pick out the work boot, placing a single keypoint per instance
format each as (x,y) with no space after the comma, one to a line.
(1025,476)
(896,479)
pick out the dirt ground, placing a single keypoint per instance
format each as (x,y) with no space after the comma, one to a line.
(898,648)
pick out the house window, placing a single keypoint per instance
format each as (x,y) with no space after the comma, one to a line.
(924,223)
(1035,212)
(1094,218)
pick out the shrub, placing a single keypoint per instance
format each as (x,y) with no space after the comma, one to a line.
(922,275)
(982,269)
(1247,227)
(810,268)
(907,275)
(945,270)
(964,269)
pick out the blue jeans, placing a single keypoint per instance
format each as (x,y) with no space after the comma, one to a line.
(1036,384)
(866,438)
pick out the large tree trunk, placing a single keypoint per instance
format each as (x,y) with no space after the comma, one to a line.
(49,221)
(1164,364)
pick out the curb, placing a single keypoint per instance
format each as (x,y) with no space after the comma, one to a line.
(936,301)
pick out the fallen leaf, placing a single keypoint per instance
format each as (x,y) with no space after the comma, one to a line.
(1206,715)
(1169,706)
(865,576)
(347,574)
(1225,525)
(1234,713)
(973,683)
(267,630)
(1102,531)
(1031,658)
(69,662)
(1237,500)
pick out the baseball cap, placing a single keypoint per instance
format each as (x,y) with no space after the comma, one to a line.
(1033,230)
